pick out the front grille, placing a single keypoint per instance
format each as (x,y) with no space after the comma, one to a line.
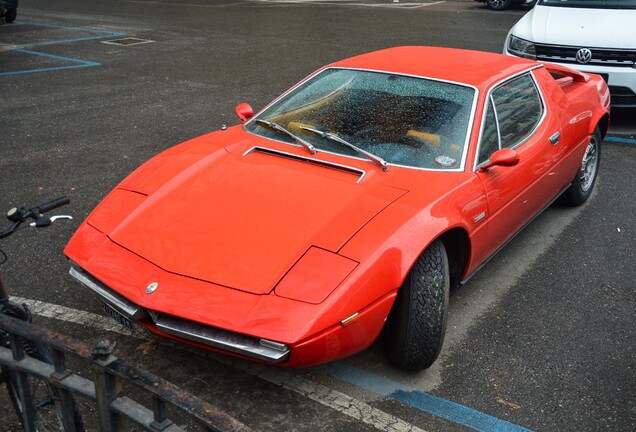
(600,56)
(622,96)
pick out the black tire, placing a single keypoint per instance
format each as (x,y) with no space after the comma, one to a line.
(498,5)
(10,15)
(585,178)
(417,323)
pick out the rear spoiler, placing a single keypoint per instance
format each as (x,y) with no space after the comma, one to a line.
(567,75)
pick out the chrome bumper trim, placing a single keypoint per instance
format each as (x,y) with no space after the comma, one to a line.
(126,307)
(218,338)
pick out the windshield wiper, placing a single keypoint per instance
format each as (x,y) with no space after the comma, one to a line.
(311,149)
(377,159)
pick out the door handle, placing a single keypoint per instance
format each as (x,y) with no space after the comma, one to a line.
(554,139)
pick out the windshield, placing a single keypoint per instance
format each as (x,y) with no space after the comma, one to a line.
(403,120)
(599,4)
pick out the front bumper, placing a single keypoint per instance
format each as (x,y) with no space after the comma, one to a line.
(256,348)
(335,342)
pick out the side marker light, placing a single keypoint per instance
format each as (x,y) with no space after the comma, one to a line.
(348,321)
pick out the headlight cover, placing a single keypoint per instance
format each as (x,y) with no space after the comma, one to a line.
(315,276)
(522,48)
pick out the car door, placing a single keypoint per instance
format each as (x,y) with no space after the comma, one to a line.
(516,117)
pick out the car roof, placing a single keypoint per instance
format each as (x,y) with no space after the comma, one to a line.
(476,68)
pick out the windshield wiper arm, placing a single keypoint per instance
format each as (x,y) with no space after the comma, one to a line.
(377,159)
(311,149)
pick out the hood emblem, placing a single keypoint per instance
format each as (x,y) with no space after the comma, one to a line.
(152,287)
(584,55)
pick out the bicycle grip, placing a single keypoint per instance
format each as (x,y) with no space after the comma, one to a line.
(59,202)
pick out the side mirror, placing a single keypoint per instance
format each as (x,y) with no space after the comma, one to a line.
(244,111)
(502,157)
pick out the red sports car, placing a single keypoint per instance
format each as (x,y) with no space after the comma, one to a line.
(352,203)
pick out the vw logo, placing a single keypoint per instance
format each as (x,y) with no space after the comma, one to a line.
(152,287)
(584,55)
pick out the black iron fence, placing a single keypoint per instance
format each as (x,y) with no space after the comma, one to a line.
(114,409)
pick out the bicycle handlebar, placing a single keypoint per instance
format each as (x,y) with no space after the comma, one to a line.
(19,215)
(53,204)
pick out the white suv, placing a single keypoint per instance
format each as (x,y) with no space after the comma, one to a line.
(597,36)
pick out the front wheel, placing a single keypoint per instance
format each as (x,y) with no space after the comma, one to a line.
(585,178)
(417,323)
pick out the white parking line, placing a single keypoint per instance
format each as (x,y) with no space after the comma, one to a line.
(388,4)
(285,378)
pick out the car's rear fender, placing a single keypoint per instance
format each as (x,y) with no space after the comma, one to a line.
(601,113)
(603,124)
(578,86)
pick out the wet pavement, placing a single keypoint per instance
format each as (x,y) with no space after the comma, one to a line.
(542,338)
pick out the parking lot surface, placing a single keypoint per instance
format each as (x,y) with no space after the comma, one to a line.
(543,338)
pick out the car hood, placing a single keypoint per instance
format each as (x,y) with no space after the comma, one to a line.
(243,220)
(588,27)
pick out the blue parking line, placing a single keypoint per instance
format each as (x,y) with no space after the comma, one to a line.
(422,401)
(102,34)
(59,41)
(78,63)
(66,27)
(620,140)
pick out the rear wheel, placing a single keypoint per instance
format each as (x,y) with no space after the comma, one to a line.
(10,15)
(585,179)
(417,323)
(498,4)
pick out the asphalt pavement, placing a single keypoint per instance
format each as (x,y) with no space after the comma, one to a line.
(543,338)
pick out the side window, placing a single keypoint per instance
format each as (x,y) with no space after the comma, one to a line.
(518,109)
(513,112)
(489,135)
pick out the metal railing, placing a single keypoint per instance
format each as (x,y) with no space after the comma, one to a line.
(113,407)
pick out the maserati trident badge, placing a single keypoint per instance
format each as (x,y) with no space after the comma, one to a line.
(152,287)
(584,55)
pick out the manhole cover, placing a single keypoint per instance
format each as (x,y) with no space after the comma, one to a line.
(127,41)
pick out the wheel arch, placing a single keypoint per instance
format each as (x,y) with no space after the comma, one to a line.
(413,343)
(603,125)
(457,245)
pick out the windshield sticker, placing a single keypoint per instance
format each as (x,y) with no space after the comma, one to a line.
(445,161)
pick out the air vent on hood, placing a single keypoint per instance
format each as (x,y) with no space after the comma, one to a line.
(344,168)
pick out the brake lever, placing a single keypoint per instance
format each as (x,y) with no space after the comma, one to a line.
(42,222)
(56,217)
